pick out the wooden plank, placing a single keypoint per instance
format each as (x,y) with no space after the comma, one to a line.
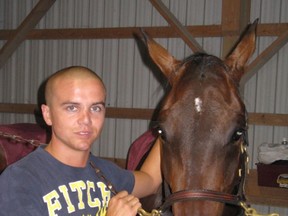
(17,108)
(146,114)
(128,32)
(179,28)
(114,33)
(264,57)
(25,27)
(264,195)
(268,29)
(111,112)
(268,119)
(129,113)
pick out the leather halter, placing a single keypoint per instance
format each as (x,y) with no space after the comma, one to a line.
(210,195)
(187,195)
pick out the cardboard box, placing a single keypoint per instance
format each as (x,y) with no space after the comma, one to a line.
(273,175)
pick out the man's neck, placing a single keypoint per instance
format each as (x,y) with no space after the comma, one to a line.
(68,156)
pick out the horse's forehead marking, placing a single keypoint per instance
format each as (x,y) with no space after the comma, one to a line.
(198,104)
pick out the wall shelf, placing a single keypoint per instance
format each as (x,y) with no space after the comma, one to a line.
(270,196)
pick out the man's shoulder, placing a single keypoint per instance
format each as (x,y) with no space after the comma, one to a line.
(101,162)
(25,164)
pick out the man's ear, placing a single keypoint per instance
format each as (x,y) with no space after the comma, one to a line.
(46,114)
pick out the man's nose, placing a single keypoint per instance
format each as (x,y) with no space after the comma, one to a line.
(85,117)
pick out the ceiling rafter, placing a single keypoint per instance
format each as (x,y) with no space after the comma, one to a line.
(264,56)
(179,28)
(24,29)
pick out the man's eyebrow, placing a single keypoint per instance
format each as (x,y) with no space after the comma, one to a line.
(69,103)
(100,103)
(76,103)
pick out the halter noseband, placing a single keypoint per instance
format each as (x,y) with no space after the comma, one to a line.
(210,195)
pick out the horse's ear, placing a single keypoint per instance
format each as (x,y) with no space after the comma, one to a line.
(243,50)
(162,58)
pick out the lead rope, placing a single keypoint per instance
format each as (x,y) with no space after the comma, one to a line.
(112,189)
(154,212)
(252,212)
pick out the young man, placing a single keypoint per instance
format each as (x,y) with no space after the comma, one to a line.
(63,177)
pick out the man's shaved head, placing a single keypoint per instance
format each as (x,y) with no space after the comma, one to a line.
(70,73)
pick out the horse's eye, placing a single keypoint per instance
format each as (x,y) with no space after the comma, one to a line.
(238,134)
(161,133)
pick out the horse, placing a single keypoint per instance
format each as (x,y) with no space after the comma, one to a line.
(202,125)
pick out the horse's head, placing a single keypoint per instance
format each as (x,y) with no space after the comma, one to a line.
(202,122)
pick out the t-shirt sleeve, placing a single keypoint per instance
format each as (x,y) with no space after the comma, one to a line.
(14,197)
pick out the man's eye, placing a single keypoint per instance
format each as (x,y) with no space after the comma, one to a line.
(96,108)
(71,108)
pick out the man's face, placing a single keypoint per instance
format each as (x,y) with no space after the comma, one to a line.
(76,112)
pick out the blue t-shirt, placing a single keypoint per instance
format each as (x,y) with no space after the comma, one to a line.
(39,184)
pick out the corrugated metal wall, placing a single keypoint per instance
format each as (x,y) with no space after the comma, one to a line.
(118,62)
(266,92)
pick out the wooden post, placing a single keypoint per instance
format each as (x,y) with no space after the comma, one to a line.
(235,17)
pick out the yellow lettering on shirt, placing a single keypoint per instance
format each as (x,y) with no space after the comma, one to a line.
(102,211)
(78,187)
(53,204)
(105,193)
(96,201)
(64,190)
(98,196)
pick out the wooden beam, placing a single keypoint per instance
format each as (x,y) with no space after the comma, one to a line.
(114,33)
(17,108)
(269,29)
(128,32)
(268,119)
(111,112)
(129,113)
(146,114)
(25,27)
(179,28)
(264,57)
(235,17)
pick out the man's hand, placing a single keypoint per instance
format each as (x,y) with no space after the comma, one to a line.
(123,204)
